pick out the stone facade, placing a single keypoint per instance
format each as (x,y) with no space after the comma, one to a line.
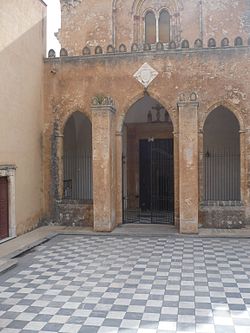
(203,67)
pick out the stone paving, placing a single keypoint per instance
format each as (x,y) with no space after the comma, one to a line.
(129,284)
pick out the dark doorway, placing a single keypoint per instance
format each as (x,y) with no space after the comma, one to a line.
(148,164)
(4,224)
(156,195)
(156,180)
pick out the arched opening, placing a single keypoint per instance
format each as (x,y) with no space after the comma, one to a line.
(148,165)
(221,177)
(77,158)
(150,28)
(164,27)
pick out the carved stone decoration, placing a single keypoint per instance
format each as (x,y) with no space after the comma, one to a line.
(52,53)
(235,95)
(100,100)
(225,42)
(198,43)
(185,44)
(63,52)
(185,97)
(70,3)
(182,97)
(86,51)
(145,75)
(211,42)
(122,48)
(238,42)
(193,97)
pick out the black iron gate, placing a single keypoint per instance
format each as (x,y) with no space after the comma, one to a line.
(156,184)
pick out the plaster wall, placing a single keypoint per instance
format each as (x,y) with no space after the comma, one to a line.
(22,48)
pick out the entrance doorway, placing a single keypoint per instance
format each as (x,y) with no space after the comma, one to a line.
(148,172)
(156,180)
(4,219)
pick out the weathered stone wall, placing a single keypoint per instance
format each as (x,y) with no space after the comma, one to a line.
(222,216)
(22,48)
(219,76)
(92,23)
(74,214)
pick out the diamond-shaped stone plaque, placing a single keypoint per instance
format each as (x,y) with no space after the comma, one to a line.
(146,74)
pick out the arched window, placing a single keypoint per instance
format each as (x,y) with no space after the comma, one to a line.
(150,28)
(164,27)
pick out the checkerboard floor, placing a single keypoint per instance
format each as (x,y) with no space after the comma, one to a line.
(113,284)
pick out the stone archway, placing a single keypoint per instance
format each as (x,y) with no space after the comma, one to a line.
(221,177)
(148,164)
(77,158)
(75,205)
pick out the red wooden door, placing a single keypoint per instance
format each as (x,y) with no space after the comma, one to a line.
(4,223)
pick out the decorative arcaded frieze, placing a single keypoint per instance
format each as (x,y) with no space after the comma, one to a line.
(70,3)
(198,45)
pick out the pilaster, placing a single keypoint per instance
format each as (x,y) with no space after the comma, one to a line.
(188,165)
(103,112)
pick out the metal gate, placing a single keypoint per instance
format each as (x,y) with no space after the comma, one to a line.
(156,184)
(4,224)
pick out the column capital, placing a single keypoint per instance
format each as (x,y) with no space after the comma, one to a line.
(101,103)
(188,99)
(185,103)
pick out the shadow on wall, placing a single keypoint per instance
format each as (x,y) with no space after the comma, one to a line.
(21,88)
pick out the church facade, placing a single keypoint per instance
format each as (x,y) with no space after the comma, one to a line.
(147,115)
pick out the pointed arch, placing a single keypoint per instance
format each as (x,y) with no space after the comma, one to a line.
(77,157)
(226,105)
(135,99)
(221,156)
(150,27)
(164,26)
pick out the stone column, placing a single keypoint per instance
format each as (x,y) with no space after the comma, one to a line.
(103,142)
(188,164)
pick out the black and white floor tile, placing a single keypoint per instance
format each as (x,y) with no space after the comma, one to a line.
(107,284)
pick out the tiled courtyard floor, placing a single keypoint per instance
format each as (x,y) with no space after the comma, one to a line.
(129,284)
